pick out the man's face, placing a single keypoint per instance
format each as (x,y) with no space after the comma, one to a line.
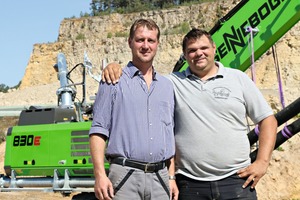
(200,55)
(143,45)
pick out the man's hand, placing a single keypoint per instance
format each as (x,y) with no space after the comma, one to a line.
(103,188)
(174,192)
(111,73)
(254,172)
(267,139)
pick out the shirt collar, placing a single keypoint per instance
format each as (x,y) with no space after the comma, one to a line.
(221,70)
(133,71)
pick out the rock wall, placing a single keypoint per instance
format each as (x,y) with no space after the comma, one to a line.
(102,37)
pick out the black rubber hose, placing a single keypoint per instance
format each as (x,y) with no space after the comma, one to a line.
(282,116)
(282,136)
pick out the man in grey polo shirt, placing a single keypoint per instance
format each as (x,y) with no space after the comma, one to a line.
(212,147)
(135,119)
(211,106)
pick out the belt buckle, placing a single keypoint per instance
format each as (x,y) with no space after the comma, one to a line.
(147,170)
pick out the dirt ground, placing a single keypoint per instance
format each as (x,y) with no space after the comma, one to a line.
(31,196)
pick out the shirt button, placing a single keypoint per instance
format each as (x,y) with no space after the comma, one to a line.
(150,154)
(150,124)
(151,138)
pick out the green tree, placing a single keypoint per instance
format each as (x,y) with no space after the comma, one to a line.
(126,6)
(3,88)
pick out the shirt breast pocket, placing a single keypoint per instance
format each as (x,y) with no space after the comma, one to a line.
(165,113)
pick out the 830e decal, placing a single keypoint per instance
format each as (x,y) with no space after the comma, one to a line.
(26,140)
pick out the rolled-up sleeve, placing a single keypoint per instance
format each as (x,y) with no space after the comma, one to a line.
(102,110)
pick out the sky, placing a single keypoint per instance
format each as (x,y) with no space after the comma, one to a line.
(28,22)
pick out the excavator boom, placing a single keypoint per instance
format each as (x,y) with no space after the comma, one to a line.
(266,20)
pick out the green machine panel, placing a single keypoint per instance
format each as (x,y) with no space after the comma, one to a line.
(37,150)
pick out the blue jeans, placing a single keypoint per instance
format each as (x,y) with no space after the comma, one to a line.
(229,188)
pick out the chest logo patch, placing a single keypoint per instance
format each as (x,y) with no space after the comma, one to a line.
(221,92)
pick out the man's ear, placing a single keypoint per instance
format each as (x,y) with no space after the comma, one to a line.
(129,43)
(215,48)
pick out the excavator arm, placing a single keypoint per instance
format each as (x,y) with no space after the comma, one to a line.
(266,20)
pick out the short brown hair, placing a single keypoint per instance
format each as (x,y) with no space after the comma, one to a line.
(195,34)
(149,23)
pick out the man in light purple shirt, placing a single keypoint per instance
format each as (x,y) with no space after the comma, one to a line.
(135,119)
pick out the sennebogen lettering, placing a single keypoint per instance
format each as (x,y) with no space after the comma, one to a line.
(234,39)
(237,37)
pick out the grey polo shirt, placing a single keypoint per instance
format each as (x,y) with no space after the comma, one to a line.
(210,122)
(138,121)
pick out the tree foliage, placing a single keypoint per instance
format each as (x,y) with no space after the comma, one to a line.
(99,7)
(4,88)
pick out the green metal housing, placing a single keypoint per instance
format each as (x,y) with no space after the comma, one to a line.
(36,150)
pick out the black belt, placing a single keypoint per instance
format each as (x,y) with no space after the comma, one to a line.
(146,167)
